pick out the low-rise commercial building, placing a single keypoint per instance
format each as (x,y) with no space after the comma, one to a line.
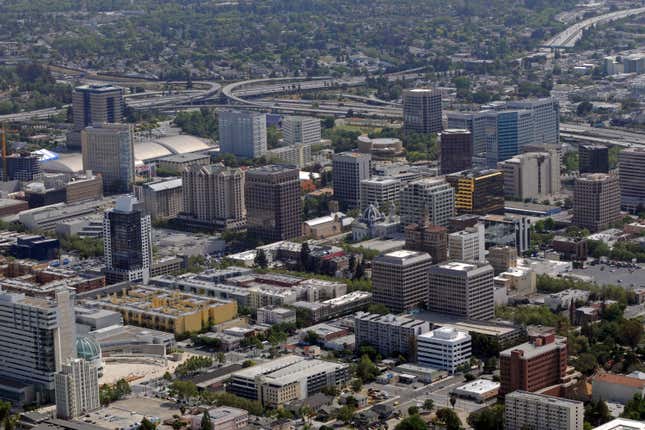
(287,378)
(478,390)
(517,282)
(159,309)
(222,418)
(617,388)
(275,315)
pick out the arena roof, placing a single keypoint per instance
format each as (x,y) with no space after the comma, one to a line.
(183,143)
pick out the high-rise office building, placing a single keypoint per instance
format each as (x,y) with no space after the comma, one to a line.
(476,123)
(273,206)
(431,197)
(94,104)
(108,149)
(596,201)
(429,238)
(468,244)
(301,130)
(214,195)
(478,192)
(631,164)
(127,240)
(243,133)
(400,280)
(506,132)
(593,158)
(37,338)
(539,363)
(77,389)
(22,167)
(348,170)
(546,118)
(524,410)
(462,288)
(456,150)
(422,111)
(162,198)
(380,191)
(532,175)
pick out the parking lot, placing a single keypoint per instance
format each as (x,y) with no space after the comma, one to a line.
(120,414)
(604,274)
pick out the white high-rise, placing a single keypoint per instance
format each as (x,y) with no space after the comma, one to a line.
(243,133)
(301,130)
(524,410)
(37,337)
(432,196)
(77,389)
(127,239)
(444,348)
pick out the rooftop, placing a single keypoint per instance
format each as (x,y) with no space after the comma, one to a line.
(445,333)
(543,398)
(622,424)
(530,350)
(389,319)
(479,386)
(624,380)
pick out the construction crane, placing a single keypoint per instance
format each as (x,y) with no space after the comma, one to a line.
(3,130)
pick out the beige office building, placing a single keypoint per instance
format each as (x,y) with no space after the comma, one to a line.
(162,198)
(214,195)
(381,192)
(464,289)
(77,389)
(108,149)
(400,280)
(532,175)
(596,201)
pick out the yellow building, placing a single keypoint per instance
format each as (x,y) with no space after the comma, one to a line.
(478,191)
(171,311)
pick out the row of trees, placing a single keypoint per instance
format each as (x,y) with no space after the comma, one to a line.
(109,393)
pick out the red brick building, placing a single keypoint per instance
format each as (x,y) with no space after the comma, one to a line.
(534,365)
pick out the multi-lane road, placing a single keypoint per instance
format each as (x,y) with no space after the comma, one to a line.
(569,37)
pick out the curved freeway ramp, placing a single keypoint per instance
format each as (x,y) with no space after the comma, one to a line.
(569,37)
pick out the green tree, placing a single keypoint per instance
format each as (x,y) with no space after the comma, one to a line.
(378,308)
(413,422)
(357,384)
(631,332)
(366,370)
(184,390)
(635,408)
(146,424)
(428,404)
(346,414)
(206,423)
(597,413)
(261,259)
(221,358)
(413,410)
(449,418)
(491,418)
